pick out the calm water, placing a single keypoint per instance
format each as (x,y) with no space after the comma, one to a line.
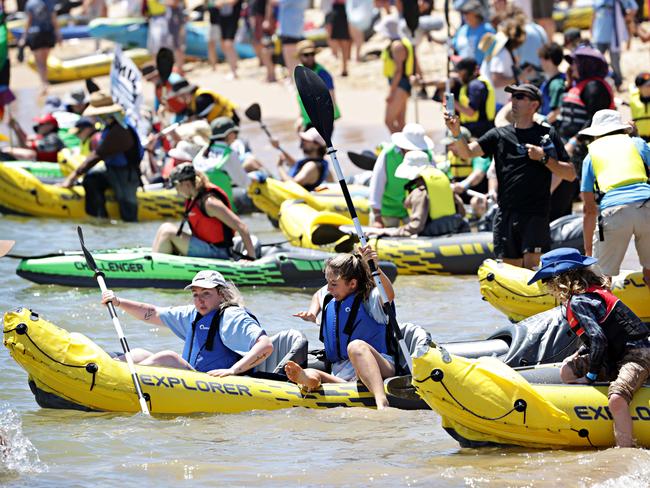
(340,447)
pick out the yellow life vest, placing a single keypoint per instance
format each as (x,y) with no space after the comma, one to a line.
(222,106)
(441,196)
(389,62)
(640,112)
(84,147)
(458,167)
(616,162)
(155,8)
(490,103)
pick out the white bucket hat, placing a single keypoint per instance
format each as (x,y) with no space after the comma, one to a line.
(390,27)
(184,151)
(412,138)
(604,122)
(414,163)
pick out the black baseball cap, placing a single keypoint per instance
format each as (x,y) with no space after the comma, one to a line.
(182,172)
(527,89)
(642,79)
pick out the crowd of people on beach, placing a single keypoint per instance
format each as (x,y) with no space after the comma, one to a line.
(526,139)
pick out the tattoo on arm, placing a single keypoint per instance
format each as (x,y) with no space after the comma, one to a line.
(148,313)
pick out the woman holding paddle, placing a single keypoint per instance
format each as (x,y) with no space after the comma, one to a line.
(353,327)
(209,213)
(221,337)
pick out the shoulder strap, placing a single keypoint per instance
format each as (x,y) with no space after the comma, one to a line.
(354,310)
(214,328)
(328,298)
(194,322)
(187,211)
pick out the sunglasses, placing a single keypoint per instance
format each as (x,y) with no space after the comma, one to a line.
(521,96)
(307,55)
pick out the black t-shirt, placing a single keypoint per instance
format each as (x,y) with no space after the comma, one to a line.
(524,184)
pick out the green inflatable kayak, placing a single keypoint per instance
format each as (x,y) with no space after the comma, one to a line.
(280,265)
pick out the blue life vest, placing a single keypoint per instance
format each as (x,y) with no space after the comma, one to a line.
(324,170)
(207,351)
(545,109)
(348,320)
(132,156)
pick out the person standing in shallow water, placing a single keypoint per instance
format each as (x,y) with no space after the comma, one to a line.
(350,297)
(615,341)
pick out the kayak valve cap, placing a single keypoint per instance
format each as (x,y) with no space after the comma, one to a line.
(490,277)
(92,368)
(520,405)
(33,316)
(21,329)
(437,375)
(583,433)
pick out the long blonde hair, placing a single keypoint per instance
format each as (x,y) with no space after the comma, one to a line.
(574,282)
(352,266)
(230,296)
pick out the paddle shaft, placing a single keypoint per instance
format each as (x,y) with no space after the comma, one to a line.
(373,267)
(99,276)
(125,345)
(268,134)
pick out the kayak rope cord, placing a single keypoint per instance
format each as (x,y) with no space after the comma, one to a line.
(437,375)
(491,277)
(92,368)
(584,433)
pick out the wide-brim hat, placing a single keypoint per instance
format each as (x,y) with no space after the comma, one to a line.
(101,104)
(306,46)
(604,122)
(492,44)
(560,261)
(412,138)
(185,151)
(414,163)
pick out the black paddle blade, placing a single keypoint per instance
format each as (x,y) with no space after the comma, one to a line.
(411,14)
(317,101)
(90,261)
(254,112)
(365,160)
(164,63)
(91,86)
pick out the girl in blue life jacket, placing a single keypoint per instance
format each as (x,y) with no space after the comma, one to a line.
(353,327)
(221,337)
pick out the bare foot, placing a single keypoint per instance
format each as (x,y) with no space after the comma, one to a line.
(296,374)
(382,404)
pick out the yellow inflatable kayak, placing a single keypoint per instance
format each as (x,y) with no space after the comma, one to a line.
(456,254)
(82,67)
(579,17)
(484,402)
(270,194)
(24,194)
(505,288)
(68,370)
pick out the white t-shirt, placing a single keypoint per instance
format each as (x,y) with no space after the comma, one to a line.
(501,63)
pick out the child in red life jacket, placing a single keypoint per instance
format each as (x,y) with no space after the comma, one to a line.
(615,341)
(353,327)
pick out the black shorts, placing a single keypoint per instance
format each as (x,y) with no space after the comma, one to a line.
(516,234)
(338,19)
(41,40)
(229,23)
(290,40)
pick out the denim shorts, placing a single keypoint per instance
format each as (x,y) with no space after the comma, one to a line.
(202,249)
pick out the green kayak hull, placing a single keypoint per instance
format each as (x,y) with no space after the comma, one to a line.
(280,265)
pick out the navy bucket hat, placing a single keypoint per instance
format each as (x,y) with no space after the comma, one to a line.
(559,261)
